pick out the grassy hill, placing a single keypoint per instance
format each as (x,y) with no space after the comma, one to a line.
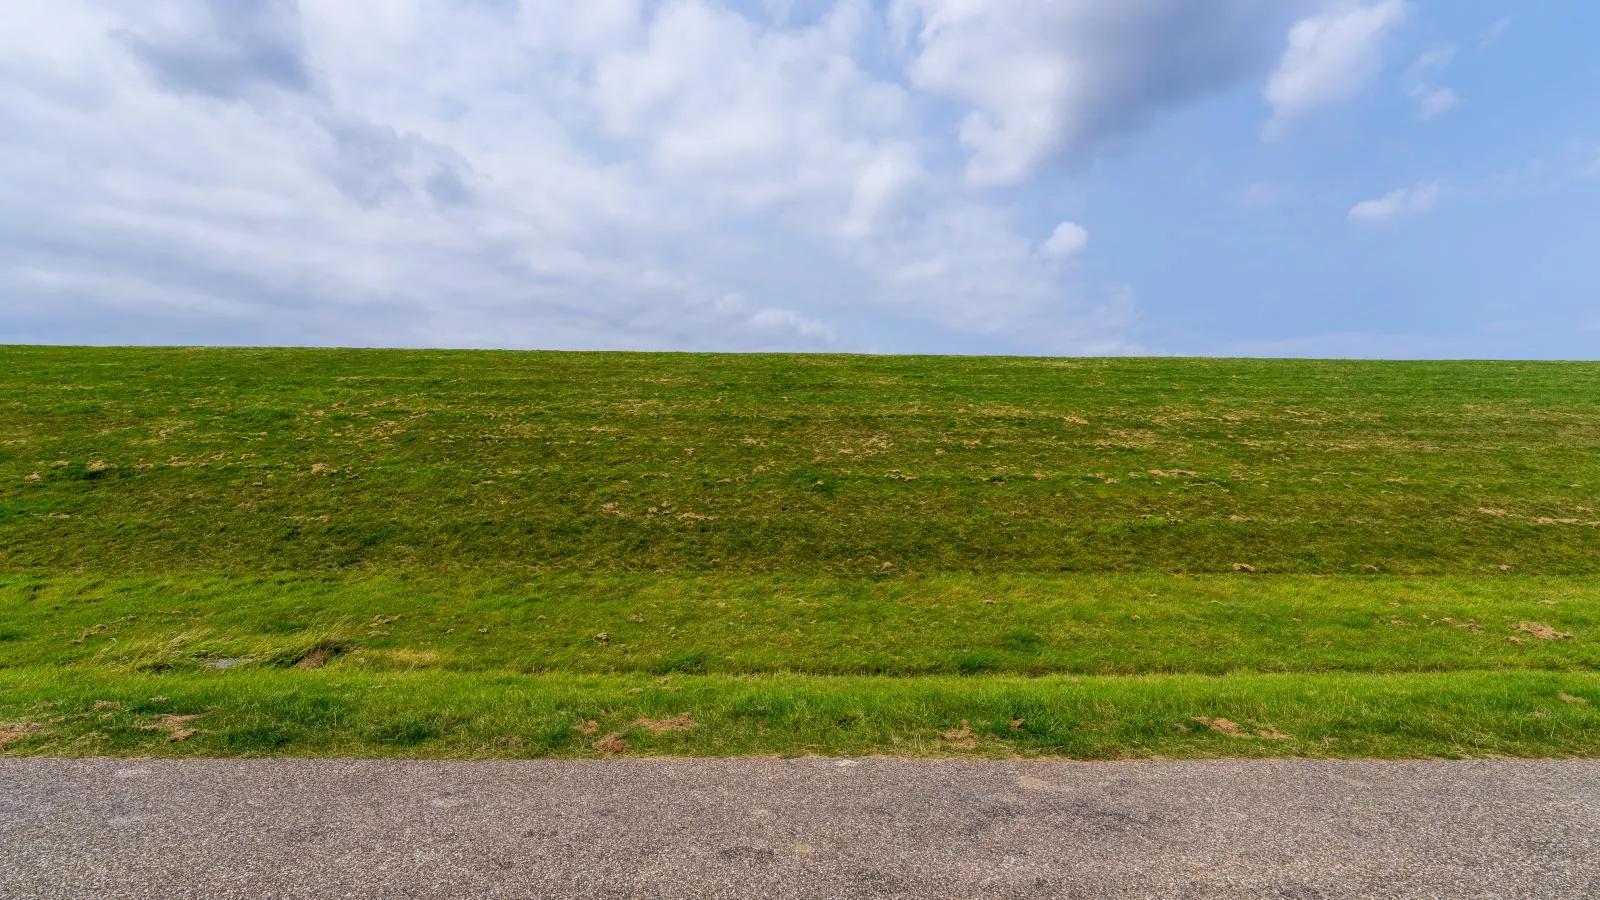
(484,553)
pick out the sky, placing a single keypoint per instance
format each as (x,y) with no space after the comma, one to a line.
(1323,178)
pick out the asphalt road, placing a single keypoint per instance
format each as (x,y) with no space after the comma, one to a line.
(798,828)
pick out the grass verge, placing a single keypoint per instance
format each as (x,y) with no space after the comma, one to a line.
(944,624)
(455,715)
(369,553)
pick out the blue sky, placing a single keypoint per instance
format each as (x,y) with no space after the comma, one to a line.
(1389,178)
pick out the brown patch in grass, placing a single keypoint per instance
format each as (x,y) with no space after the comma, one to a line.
(31,476)
(316,659)
(1271,733)
(679,722)
(1243,567)
(1568,698)
(107,704)
(12,732)
(1223,726)
(1491,511)
(962,737)
(610,744)
(175,726)
(322,469)
(1541,631)
(588,728)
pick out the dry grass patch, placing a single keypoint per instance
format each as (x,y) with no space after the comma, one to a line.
(175,726)
(1223,726)
(962,737)
(1541,631)
(679,722)
(316,659)
(12,732)
(403,658)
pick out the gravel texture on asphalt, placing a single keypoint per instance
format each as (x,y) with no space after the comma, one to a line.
(798,828)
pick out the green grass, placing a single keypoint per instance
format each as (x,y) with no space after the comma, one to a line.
(536,462)
(280,713)
(948,624)
(826,554)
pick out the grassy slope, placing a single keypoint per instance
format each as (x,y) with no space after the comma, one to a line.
(747,524)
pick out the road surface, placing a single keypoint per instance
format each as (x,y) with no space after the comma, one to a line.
(798,828)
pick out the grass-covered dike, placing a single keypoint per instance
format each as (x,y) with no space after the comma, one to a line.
(421,553)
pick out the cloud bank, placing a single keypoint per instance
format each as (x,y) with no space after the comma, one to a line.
(613,173)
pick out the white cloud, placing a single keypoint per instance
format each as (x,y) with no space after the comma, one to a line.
(1430,99)
(1433,102)
(1068,240)
(535,173)
(785,323)
(1396,204)
(1332,56)
(1049,81)
(694,174)
(1434,60)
